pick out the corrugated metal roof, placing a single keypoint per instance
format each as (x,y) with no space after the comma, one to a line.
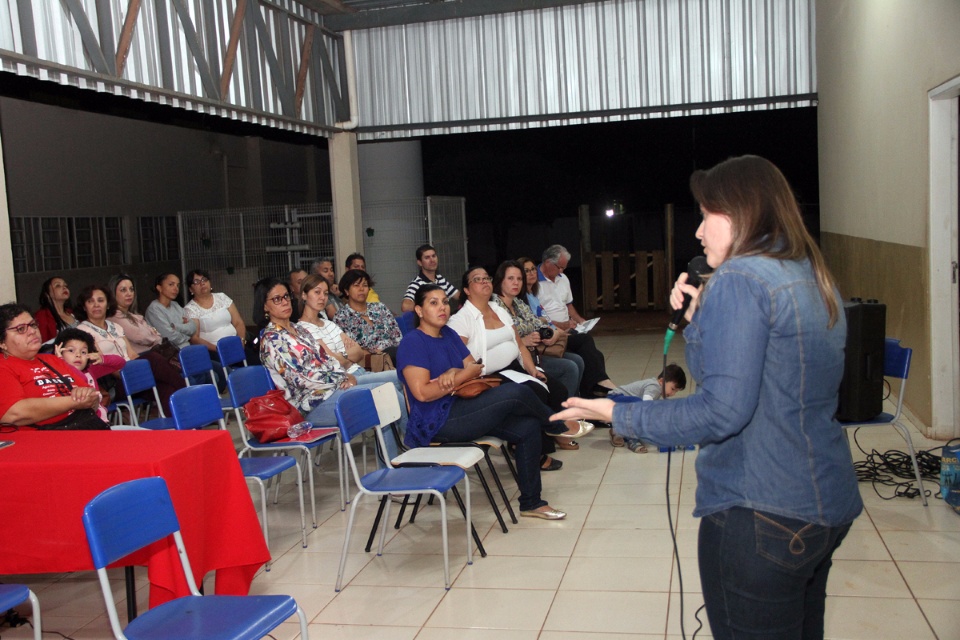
(573,62)
(594,62)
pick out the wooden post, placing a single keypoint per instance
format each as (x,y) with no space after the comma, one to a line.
(588,268)
(606,278)
(643,272)
(624,300)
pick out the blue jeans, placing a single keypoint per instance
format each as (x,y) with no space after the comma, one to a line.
(764,575)
(563,371)
(579,363)
(511,412)
(324,414)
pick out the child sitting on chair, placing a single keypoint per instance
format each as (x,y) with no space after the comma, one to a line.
(76,348)
(666,385)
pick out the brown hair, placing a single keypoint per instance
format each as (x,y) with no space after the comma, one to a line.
(764,215)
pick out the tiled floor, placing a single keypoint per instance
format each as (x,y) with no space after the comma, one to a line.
(604,573)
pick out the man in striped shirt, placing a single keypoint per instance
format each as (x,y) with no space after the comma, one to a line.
(427,260)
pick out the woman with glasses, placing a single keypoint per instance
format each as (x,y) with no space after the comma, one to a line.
(313,378)
(369,323)
(216,312)
(487,330)
(593,375)
(39,389)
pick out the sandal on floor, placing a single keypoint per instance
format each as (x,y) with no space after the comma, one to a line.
(568,445)
(639,448)
(553,466)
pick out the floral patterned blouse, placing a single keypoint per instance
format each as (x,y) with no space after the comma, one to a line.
(523,317)
(383,333)
(310,374)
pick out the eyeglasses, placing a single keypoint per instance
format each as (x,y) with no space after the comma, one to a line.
(201,281)
(530,270)
(481,280)
(23,328)
(278,299)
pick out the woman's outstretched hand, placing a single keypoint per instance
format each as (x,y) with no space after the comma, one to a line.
(600,409)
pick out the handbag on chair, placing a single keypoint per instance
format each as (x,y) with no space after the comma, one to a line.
(270,415)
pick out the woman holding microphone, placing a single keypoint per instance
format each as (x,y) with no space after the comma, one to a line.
(776,490)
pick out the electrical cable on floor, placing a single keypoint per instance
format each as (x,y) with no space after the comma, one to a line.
(894,469)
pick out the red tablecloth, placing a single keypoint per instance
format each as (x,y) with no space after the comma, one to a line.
(47,478)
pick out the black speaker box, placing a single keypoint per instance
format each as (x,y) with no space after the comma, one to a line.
(861,390)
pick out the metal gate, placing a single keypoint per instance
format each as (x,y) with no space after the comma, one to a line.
(240,246)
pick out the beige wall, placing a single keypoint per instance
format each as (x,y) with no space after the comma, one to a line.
(876,61)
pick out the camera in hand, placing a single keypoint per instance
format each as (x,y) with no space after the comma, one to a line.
(545,333)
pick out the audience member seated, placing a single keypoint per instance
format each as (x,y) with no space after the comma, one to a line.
(313,379)
(94,305)
(431,361)
(488,333)
(371,325)
(594,379)
(77,348)
(167,316)
(324,267)
(141,334)
(296,277)
(357,261)
(39,389)
(328,334)
(428,261)
(508,293)
(55,313)
(217,314)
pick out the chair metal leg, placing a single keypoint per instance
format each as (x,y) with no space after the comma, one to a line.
(263,515)
(129,579)
(402,510)
(493,502)
(303,518)
(443,530)
(913,458)
(376,523)
(416,508)
(346,540)
(496,479)
(304,634)
(473,530)
(383,525)
(35,607)
(510,465)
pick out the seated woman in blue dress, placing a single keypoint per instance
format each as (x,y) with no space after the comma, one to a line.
(431,361)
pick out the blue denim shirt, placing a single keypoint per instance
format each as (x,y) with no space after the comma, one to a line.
(767,370)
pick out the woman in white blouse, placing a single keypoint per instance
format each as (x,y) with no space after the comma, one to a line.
(216,312)
(314,293)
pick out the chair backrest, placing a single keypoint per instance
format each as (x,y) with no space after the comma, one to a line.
(896,359)
(385,400)
(356,413)
(405,322)
(195,359)
(137,376)
(247,383)
(230,350)
(127,517)
(196,407)
(896,364)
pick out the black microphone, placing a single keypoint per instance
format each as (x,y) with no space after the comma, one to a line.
(697,267)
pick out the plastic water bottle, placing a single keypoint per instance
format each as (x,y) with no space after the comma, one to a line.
(297,430)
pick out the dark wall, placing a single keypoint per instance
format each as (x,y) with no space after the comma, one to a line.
(77,161)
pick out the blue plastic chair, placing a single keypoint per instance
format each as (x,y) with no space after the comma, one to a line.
(405,322)
(357,413)
(137,376)
(133,514)
(231,352)
(196,407)
(896,364)
(250,382)
(195,361)
(12,595)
